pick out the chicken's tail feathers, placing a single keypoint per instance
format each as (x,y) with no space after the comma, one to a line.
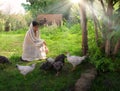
(51,60)
(87,55)
(84,57)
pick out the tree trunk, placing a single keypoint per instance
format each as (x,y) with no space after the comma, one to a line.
(107,47)
(117,47)
(109,27)
(84,27)
(7,26)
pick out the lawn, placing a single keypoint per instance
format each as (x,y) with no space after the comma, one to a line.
(59,40)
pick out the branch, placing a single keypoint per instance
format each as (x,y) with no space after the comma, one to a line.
(103,5)
(95,17)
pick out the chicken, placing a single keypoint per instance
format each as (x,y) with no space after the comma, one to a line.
(59,63)
(51,60)
(75,60)
(24,70)
(46,66)
(57,66)
(4,59)
(61,58)
(54,64)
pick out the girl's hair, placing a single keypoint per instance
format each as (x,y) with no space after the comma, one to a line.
(35,23)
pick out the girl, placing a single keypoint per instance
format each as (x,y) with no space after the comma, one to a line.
(34,48)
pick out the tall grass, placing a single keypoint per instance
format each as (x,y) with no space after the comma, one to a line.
(59,40)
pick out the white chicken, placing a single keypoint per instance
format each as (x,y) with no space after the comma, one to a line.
(51,60)
(24,70)
(75,60)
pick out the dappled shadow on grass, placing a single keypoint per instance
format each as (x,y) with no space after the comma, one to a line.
(108,81)
(38,80)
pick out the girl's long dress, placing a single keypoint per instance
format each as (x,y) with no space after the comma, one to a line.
(33,47)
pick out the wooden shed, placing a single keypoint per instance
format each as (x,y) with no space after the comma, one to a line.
(50,19)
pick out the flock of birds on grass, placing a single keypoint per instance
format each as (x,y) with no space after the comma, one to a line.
(56,64)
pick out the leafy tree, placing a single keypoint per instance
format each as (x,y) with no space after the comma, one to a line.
(109,26)
(48,6)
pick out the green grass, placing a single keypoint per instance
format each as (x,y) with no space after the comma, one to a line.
(59,40)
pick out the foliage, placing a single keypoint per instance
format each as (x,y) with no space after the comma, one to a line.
(59,40)
(15,21)
(96,55)
(108,24)
(48,6)
(106,82)
(2,21)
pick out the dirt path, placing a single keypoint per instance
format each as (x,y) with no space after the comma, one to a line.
(85,81)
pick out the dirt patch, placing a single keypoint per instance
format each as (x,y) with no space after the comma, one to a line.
(85,81)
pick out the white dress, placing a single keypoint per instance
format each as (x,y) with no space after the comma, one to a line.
(33,47)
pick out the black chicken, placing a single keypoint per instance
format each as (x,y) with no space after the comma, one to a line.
(46,66)
(54,64)
(59,63)
(4,59)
